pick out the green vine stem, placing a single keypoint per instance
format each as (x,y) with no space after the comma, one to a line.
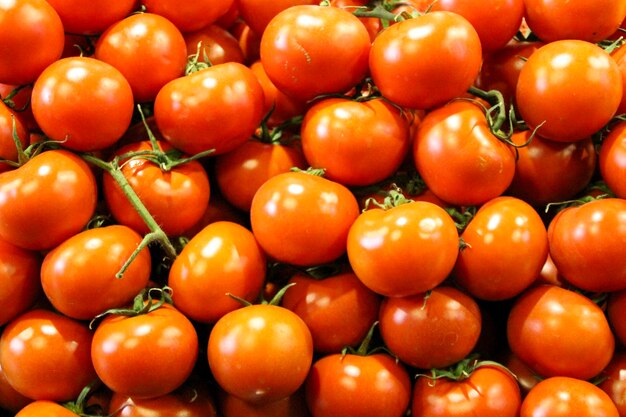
(463,369)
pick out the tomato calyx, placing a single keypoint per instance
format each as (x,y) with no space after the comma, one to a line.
(194,64)
(318,172)
(562,205)
(275,301)
(80,406)
(383,11)
(364,347)
(461,216)
(464,369)
(8,99)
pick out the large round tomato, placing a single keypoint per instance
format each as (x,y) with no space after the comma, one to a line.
(47,200)
(612,159)
(426,61)
(568,90)
(91,17)
(558,332)
(189,15)
(19,278)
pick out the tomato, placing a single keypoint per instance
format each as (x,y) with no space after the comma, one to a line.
(505,248)
(424,62)
(197,112)
(91,17)
(191,15)
(404,250)
(612,159)
(564,396)
(45,408)
(217,43)
(338,310)
(479,166)
(260,353)
(145,355)
(222,258)
(87,263)
(249,41)
(353,385)
(83,102)
(547,171)
(615,310)
(177,198)
(258,13)
(488,391)
(303,219)
(372,24)
(47,200)
(526,377)
(19,275)
(219,210)
(32,37)
(586,243)
(568,90)
(240,173)
(614,381)
(558,332)
(45,355)
(357,143)
(10,399)
(147,49)
(7,144)
(619,55)
(291,406)
(19,103)
(301,43)
(431,330)
(554,20)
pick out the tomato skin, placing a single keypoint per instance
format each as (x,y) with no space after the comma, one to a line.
(82,17)
(431,330)
(218,44)
(189,16)
(84,102)
(614,382)
(46,356)
(352,385)
(573,87)
(195,113)
(586,243)
(291,406)
(615,310)
(619,55)
(31,33)
(546,330)
(19,275)
(564,396)
(258,13)
(612,159)
(45,408)
(57,183)
(147,49)
(260,353)
(222,258)
(147,355)
(301,43)
(487,392)
(507,246)
(438,54)
(7,144)
(357,143)
(10,399)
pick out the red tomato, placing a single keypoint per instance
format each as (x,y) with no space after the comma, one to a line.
(91,17)
(146,355)
(47,200)
(19,278)
(352,385)
(612,159)
(300,45)
(45,408)
(587,243)
(558,332)
(303,219)
(249,41)
(291,406)
(216,44)
(10,399)
(526,377)
(46,356)
(372,24)
(260,353)
(405,250)
(431,330)
(258,13)
(424,62)
(7,144)
(31,35)
(619,55)
(83,102)
(569,88)
(567,397)
(189,15)
(357,143)
(222,258)
(147,49)
(176,198)
(616,310)
(217,108)
(20,105)
(614,381)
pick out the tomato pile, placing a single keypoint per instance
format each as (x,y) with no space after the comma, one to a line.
(290,208)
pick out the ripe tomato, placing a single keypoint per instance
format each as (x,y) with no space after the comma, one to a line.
(176,198)
(31,35)
(7,144)
(10,399)
(615,310)
(558,332)
(21,105)
(571,397)
(404,250)
(586,243)
(147,49)
(612,159)
(47,200)
(216,108)
(190,15)
(291,406)
(83,102)
(45,408)
(46,356)
(258,13)
(19,278)
(431,330)
(83,17)
(68,271)
(216,43)
(357,143)
(372,24)
(222,258)
(569,88)
(505,248)
(619,55)
(424,62)
(302,219)
(353,385)
(301,43)
(478,166)
(260,353)
(614,381)
(146,355)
